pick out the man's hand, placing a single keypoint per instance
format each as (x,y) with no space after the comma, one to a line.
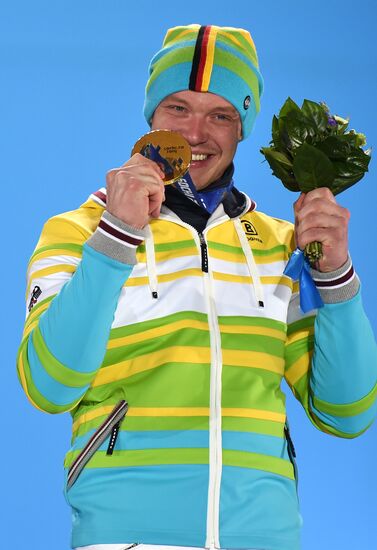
(318,217)
(135,191)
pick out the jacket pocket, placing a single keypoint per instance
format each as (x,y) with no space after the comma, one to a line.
(108,426)
(291,450)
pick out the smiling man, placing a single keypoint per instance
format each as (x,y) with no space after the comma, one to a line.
(210,124)
(165,328)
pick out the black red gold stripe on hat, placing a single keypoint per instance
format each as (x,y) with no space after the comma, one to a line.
(202,62)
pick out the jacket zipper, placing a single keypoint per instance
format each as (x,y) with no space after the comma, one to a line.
(215,437)
(291,450)
(110,425)
(215,426)
(204,252)
(113,438)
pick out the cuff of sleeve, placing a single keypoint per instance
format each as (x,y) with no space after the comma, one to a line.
(116,239)
(337,286)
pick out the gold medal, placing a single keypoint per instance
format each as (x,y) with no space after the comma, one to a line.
(170,150)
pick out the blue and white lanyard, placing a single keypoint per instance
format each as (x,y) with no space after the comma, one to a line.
(209,200)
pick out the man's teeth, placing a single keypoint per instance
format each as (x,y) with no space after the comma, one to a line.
(199,157)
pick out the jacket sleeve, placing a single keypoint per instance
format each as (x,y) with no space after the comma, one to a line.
(73,287)
(331,359)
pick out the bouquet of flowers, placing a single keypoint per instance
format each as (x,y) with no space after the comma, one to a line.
(312,148)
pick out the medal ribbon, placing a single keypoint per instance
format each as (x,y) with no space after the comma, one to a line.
(298,269)
(208,200)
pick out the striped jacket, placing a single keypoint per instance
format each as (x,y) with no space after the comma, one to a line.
(171,369)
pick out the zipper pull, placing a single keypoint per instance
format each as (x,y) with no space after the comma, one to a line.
(204,252)
(113,438)
(34,297)
(291,447)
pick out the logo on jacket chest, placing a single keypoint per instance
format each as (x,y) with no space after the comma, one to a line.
(250,231)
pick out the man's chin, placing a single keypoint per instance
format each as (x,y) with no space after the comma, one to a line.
(201,181)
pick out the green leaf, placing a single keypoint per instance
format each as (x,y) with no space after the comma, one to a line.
(298,128)
(350,138)
(285,141)
(316,114)
(276,132)
(279,157)
(342,183)
(312,168)
(350,170)
(281,167)
(288,107)
(325,107)
(334,147)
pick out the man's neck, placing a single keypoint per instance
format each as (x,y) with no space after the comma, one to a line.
(193,214)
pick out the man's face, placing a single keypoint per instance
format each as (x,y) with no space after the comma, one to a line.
(209,123)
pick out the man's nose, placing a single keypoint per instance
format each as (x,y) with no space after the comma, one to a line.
(195,131)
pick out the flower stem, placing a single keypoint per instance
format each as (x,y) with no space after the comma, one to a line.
(313,251)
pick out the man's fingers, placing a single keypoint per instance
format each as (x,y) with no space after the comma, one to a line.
(137,160)
(322,194)
(318,217)
(321,214)
(128,172)
(327,237)
(322,221)
(141,170)
(155,212)
(156,197)
(298,204)
(132,180)
(135,191)
(320,205)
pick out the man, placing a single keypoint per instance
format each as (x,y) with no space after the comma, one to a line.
(166,332)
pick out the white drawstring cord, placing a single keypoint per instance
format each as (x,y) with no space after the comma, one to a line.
(253,269)
(151,263)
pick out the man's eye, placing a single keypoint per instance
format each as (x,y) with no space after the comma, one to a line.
(222,117)
(177,108)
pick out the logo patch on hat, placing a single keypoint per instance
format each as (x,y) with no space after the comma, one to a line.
(246,102)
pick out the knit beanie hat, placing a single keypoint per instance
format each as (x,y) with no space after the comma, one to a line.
(221,60)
